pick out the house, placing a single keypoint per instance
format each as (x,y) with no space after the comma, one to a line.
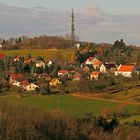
(126,70)
(63,73)
(77,77)
(17,58)
(31,87)
(108,67)
(91,60)
(40,63)
(55,82)
(95,75)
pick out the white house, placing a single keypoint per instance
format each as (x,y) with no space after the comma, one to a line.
(31,87)
(126,70)
(40,64)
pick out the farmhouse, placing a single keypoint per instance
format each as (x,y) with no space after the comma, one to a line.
(126,70)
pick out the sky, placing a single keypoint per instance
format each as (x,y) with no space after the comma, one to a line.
(95,20)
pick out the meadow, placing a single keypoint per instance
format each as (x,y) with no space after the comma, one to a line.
(48,54)
(74,106)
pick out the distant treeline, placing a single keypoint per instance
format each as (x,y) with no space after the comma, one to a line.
(40,42)
(19,123)
(48,42)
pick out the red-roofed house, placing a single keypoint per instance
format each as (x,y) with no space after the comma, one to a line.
(126,70)
(77,77)
(63,73)
(15,79)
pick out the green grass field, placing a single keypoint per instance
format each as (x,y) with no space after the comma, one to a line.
(47,54)
(71,105)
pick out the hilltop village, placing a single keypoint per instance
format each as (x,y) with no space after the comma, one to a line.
(89,72)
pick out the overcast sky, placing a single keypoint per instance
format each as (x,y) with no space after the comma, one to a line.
(95,20)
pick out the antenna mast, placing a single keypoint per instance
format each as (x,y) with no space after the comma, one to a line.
(72,29)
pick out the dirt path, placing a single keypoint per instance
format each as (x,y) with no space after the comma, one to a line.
(97,97)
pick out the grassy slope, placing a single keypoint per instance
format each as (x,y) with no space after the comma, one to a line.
(71,105)
(131,95)
(47,54)
(131,119)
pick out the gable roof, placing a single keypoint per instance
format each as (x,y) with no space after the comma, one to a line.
(97,63)
(72,71)
(127,68)
(95,73)
(17,76)
(62,71)
(77,76)
(25,83)
(90,58)
(54,82)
